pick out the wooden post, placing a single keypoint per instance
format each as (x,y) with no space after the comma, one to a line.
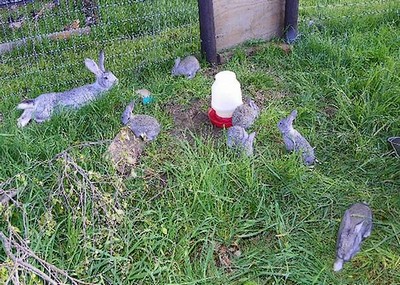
(207,30)
(291,18)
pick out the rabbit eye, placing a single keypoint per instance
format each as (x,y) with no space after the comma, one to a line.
(105,77)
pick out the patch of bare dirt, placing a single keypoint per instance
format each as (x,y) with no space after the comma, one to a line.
(274,94)
(330,111)
(192,118)
(224,57)
(287,49)
(223,255)
(212,70)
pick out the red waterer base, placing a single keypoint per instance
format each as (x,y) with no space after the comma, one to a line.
(219,121)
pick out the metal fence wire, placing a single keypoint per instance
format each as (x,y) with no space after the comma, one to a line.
(43,42)
(36,35)
(346,9)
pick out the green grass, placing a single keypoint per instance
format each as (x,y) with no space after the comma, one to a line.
(161,225)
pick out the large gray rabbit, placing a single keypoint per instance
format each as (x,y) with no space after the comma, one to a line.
(356,225)
(44,106)
(294,141)
(239,139)
(143,126)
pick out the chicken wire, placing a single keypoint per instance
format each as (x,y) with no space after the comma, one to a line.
(43,43)
(320,11)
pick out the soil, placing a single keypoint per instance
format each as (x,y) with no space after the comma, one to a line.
(223,255)
(330,111)
(212,70)
(192,119)
(227,55)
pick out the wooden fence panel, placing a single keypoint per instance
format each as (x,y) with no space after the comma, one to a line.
(237,21)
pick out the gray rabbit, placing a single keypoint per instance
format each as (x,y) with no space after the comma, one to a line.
(356,225)
(44,106)
(187,66)
(143,126)
(245,114)
(294,141)
(239,139)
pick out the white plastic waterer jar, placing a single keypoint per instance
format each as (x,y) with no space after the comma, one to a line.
(226,94)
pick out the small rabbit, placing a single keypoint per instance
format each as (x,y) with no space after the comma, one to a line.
(44,106)
(238,138)
(294,141)
(187,66)
(245,114)
(356,225)
(143,126)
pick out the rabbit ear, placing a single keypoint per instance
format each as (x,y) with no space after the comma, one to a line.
(92,66)
(128,112)
(292,116)
(254,106)
(101,61)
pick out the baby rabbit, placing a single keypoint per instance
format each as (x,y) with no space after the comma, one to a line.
(44,106)
(143,126)
(245,114)
(187,66)
(238,138)
(356,225)
(294,141)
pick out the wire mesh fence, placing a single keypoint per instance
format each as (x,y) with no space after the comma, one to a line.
(43,42)
(349,10)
